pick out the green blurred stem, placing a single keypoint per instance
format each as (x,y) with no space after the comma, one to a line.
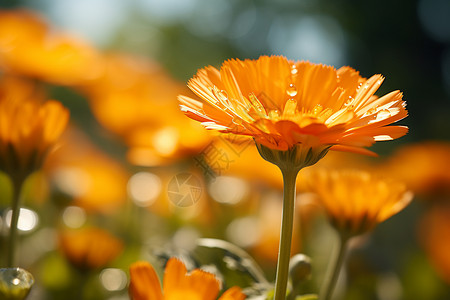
(17,194)
(334,269)
(287,224)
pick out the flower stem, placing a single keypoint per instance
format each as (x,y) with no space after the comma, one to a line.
(334,269)
(287,223)
(17,193)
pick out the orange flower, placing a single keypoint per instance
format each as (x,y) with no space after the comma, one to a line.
(28,127)
(90,248)
(357,201)
(177,284)
(424,167)
(28,46)
(282,103)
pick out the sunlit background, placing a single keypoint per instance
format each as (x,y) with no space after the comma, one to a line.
(111,180)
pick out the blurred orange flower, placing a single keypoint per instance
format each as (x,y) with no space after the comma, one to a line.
(94,180)
(29,127)
(28,46)
(282,103)
(356,201)
(434,231)
(129,98)
(89,248)
(424,167)
(177,284)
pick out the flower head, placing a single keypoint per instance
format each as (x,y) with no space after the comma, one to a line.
(28,128)
(177,284)
(90,248)
(282,103)
(356,201)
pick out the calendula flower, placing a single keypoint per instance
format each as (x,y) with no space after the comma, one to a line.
(177,284)
(356,201)
(90,248)
(295,112)
(282,103)
(29,128)
(30,47)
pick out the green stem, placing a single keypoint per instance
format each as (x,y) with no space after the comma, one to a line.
(17,193)
(287,224)
(334,269)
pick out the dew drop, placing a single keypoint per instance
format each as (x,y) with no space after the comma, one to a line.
(383,114)
(274,114)
(371,111)
(349,101)
(294,69)
(317,109)
(291,90)
(222,95)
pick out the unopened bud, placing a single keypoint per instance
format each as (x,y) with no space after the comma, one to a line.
(299,268)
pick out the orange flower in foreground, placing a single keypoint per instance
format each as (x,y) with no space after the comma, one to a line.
(282,103)
(90,248)
(28,46)
(177,284)
(357,201)
(28,127)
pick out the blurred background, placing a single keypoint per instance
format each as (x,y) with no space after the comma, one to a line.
(135,173)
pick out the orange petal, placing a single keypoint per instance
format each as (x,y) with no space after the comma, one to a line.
(234,293)
(173,275)
(144,283)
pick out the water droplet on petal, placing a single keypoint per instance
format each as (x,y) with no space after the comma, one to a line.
(292,90)
(221,95)
(317,109)
(294,69)
(349,101)
(274,114)
(383,114)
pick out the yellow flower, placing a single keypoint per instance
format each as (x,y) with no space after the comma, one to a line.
(28,128)
(177,284)
(90,248)
(282,103)
(356,201)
